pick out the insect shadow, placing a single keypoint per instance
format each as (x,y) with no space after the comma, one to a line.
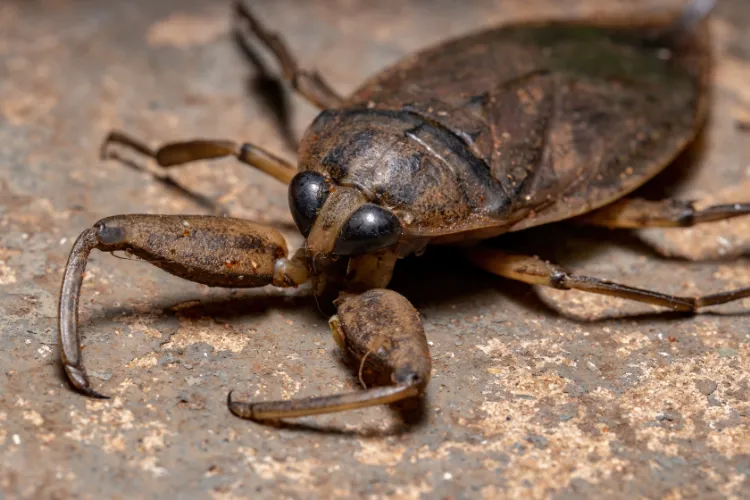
(269,89)
(212,206)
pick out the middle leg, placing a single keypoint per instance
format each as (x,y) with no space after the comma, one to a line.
(633,213)
(181,152)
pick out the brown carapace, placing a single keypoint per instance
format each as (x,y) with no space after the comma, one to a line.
(491,133)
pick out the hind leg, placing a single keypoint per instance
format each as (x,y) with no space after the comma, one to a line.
(534,271)
(634,213)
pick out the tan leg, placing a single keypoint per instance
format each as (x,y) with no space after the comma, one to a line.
(382,331)
(308,83)
(179,153)
(638,213)
(537,272)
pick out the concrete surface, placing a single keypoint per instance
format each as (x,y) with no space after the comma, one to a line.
(535,393)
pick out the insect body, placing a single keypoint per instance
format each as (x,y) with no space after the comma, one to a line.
(487,134)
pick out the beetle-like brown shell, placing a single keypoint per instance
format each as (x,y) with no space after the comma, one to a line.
(517,126)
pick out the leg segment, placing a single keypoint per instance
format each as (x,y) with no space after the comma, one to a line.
(639,213)
(214,251)
(179,153)
(537,272)
(308,83)
(382,331)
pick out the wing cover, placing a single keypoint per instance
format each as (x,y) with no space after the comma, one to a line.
(566,117)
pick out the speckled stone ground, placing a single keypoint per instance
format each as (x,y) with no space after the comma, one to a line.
(535,393)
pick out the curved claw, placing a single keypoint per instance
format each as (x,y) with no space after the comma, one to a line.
(69,337)
(80,380)
(273,410)
(235,407)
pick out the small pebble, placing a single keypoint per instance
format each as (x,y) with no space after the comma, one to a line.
(707,387)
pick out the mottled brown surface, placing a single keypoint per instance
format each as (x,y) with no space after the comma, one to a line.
(381,330)
(534,392)
(215,251)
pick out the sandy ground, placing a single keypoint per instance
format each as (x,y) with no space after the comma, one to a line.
(535,393)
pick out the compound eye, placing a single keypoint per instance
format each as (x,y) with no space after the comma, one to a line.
(368,229)
(307,194)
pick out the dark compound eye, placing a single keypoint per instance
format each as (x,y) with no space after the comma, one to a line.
(307,193)
(370,228)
